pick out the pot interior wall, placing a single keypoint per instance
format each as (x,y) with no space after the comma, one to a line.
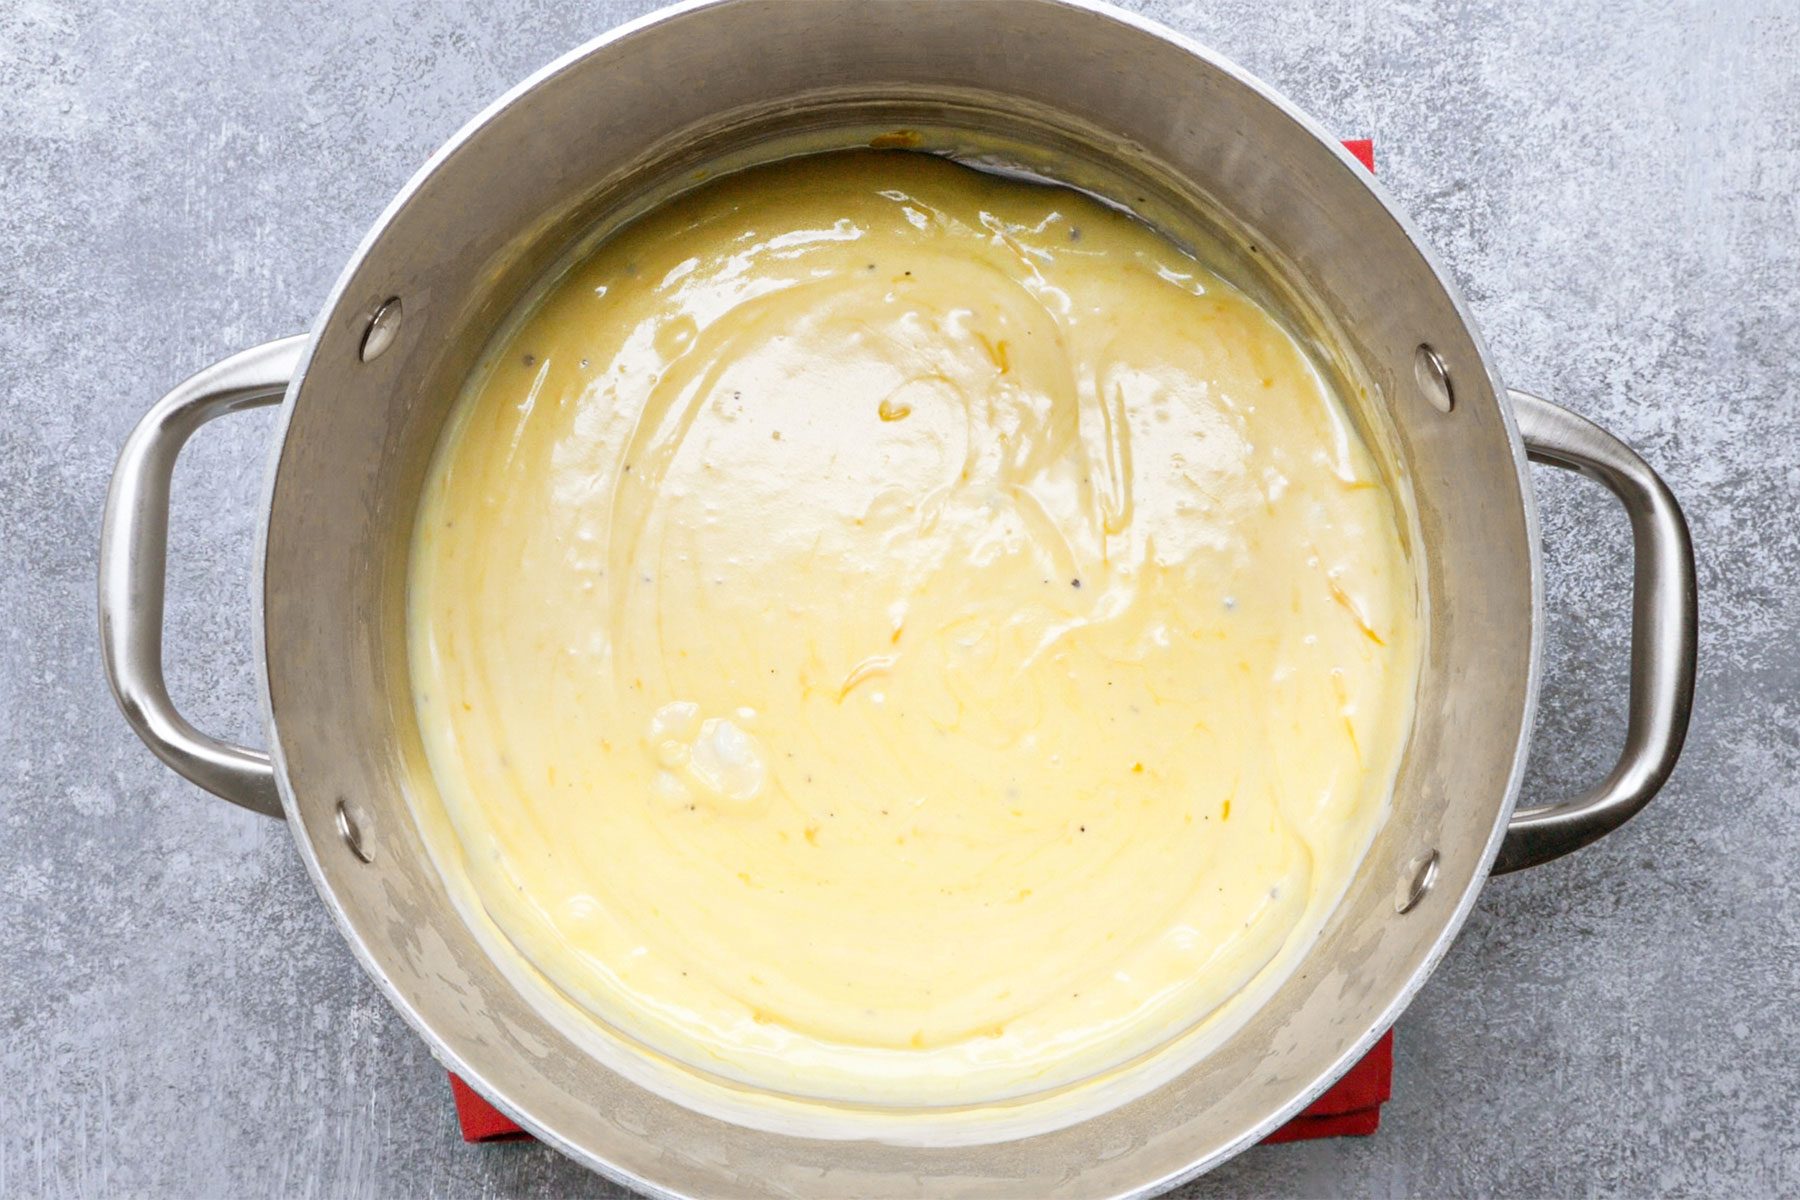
(1072,94)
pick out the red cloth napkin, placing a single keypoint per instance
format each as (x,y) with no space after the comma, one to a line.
(481,1121)
(1351,1107)
(1363,149)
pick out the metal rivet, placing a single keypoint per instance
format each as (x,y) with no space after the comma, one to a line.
(1420,874)
(351,832)
(384,327)
(1434,378)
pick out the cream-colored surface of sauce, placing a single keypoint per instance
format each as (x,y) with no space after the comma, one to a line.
(889,633)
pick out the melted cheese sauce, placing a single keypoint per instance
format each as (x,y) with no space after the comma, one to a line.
(890,633)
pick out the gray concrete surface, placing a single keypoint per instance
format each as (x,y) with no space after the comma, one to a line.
(1616,184)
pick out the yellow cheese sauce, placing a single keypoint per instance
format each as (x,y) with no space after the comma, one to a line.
(891,633)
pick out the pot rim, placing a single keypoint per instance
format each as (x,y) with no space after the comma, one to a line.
(448,1057)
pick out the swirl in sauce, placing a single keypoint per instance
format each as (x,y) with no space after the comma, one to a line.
(887,632)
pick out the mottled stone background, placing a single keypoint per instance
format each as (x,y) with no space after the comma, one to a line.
(1617,186)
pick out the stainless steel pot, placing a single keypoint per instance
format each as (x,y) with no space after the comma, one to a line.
(1074,88)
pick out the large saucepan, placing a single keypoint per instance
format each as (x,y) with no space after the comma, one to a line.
(1078,91)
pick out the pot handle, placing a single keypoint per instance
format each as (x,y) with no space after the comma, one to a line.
(134,542)
(1664,636)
